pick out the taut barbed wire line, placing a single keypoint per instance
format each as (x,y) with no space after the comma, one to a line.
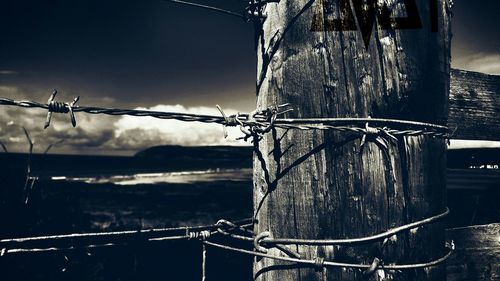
(257,122)
(73,241)
(223,227)
(263,239)
(202,233)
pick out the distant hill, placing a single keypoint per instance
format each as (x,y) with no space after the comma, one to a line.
(158,158)
(198,156)
(178,158)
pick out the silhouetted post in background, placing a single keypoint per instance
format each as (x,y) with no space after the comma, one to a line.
(343,59)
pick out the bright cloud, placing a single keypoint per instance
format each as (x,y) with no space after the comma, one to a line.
(481,62)
(103,134)
(8,72)
(134,132)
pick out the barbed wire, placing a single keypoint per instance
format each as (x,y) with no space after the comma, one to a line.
(202,233)
(278,243)
(223,227)
(319,262)
(255,123)
(114,238)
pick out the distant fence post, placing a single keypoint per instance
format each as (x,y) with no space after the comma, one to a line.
(348,59)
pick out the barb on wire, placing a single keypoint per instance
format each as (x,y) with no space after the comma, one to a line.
(74,241)
(30,180)
(261,127)
(260,122)
(379,136)
(60,107)
(324,263)
(256,123)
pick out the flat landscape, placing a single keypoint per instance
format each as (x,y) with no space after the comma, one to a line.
(92,194)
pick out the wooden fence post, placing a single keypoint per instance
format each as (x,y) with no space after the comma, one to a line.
(318,185)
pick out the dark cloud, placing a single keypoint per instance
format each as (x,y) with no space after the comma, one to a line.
(154,52)
(475,27)
(137,52)
(123,53)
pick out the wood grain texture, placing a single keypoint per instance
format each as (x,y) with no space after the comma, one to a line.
(474,105)
(477,253)
(312,184)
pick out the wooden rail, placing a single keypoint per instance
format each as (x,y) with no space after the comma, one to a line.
(477,253)
(474,105)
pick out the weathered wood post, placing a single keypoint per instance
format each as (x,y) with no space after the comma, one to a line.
(352,58)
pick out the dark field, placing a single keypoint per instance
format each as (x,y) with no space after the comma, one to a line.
(57,207)
(105,204)
(62,206)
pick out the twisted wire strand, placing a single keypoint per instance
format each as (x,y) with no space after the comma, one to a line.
(325,263)
(89,246)
(404,127)
(112,234)
(32,244)
(202,233)
(236,236)
(6,251)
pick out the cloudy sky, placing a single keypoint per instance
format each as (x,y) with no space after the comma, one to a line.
(155,55)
